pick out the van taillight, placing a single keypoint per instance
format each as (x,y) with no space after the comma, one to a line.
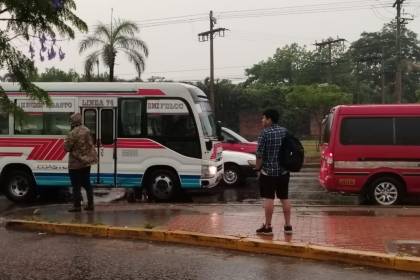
(329,159)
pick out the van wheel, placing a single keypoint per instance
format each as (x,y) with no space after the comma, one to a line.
(20,187)
(231,175)
(162,185)
(386,191)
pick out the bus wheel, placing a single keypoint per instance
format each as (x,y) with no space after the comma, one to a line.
(386,191)
(20,186)
(162,185)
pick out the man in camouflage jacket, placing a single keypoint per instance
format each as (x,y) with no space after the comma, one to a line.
(82,154)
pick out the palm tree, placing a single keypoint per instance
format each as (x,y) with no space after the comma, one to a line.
(111,40)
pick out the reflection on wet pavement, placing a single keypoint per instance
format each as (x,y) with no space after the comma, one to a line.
(404,247)
(149,218)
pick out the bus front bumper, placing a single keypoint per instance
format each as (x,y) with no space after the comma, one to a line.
(214,181)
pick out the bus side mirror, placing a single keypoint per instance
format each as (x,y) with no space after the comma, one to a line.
(209,145)
(219,131)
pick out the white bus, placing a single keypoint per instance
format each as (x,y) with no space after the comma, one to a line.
(157,136)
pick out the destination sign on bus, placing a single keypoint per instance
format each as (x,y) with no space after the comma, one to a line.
(58,105)
(162,106)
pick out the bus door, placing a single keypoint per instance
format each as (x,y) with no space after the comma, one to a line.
(102,124)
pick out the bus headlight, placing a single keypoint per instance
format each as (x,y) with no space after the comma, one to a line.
(208,171)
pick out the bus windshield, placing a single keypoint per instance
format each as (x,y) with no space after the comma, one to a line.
(207,120)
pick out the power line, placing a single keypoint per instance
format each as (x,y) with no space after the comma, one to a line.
(286,10)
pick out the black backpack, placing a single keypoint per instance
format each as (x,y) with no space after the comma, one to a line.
(291,153)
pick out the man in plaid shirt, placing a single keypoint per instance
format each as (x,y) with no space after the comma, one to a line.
(273,179)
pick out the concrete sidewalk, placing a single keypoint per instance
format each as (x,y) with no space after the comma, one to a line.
(389,232)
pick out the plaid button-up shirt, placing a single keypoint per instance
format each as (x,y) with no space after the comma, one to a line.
(268,149)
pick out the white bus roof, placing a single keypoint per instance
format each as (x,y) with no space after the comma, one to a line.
(100,87)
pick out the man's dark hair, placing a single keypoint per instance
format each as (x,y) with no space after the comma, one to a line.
(272,114)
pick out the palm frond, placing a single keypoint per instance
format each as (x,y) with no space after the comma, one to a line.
(90,61)
(89,42)
(125,27)
(103,30)
(137,59)
(132,43)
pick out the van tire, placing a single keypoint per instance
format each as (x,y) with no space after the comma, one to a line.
(162,185)
(20,187)
(386,191)
(232,175)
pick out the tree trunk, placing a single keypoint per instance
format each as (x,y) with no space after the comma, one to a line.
(111,67)
(111,72)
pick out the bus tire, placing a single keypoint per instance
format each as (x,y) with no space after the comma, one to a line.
(162,185)
(386,191)
(20,186)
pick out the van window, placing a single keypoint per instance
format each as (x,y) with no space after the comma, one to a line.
(56,123)
(407,131)
(4,123)
(367,131)
(130,118)
(326,129)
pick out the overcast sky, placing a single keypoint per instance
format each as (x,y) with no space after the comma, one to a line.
(176,53)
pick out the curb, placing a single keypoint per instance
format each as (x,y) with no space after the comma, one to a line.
(244,244)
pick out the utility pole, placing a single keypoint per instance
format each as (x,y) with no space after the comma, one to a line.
(209,36)
(329,43)
(398,75)
(383,75)
(400,23)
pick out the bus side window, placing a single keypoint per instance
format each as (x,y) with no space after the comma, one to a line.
(130,118)
(4,123)
(42,123)
(90,122)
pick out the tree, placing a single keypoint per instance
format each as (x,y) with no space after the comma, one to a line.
(374,64)
(28,19)
(112,40)
(57,75)
(226,97)
(290,65)
(316,100)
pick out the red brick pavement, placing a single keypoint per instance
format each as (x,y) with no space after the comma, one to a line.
(369,233)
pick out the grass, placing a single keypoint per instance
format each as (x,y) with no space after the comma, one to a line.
(311,148)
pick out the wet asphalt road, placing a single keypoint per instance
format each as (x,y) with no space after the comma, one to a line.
(304,189)
(26,255)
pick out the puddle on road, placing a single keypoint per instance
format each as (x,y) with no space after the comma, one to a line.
(404,247)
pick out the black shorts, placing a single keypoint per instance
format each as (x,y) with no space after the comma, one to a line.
(274,185)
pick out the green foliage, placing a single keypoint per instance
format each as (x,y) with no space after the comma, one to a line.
(56,75)
(316,99)
(226,97)
(119,38)
(32,18)
(373,57)
(313,102)
(289,65)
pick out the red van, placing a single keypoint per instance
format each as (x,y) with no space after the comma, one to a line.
(372,150)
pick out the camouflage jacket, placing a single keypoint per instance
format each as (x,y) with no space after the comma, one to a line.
(79,144)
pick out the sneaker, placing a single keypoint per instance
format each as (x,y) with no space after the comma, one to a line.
(75,209)
(89,208)
(263,230)
(288,229)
